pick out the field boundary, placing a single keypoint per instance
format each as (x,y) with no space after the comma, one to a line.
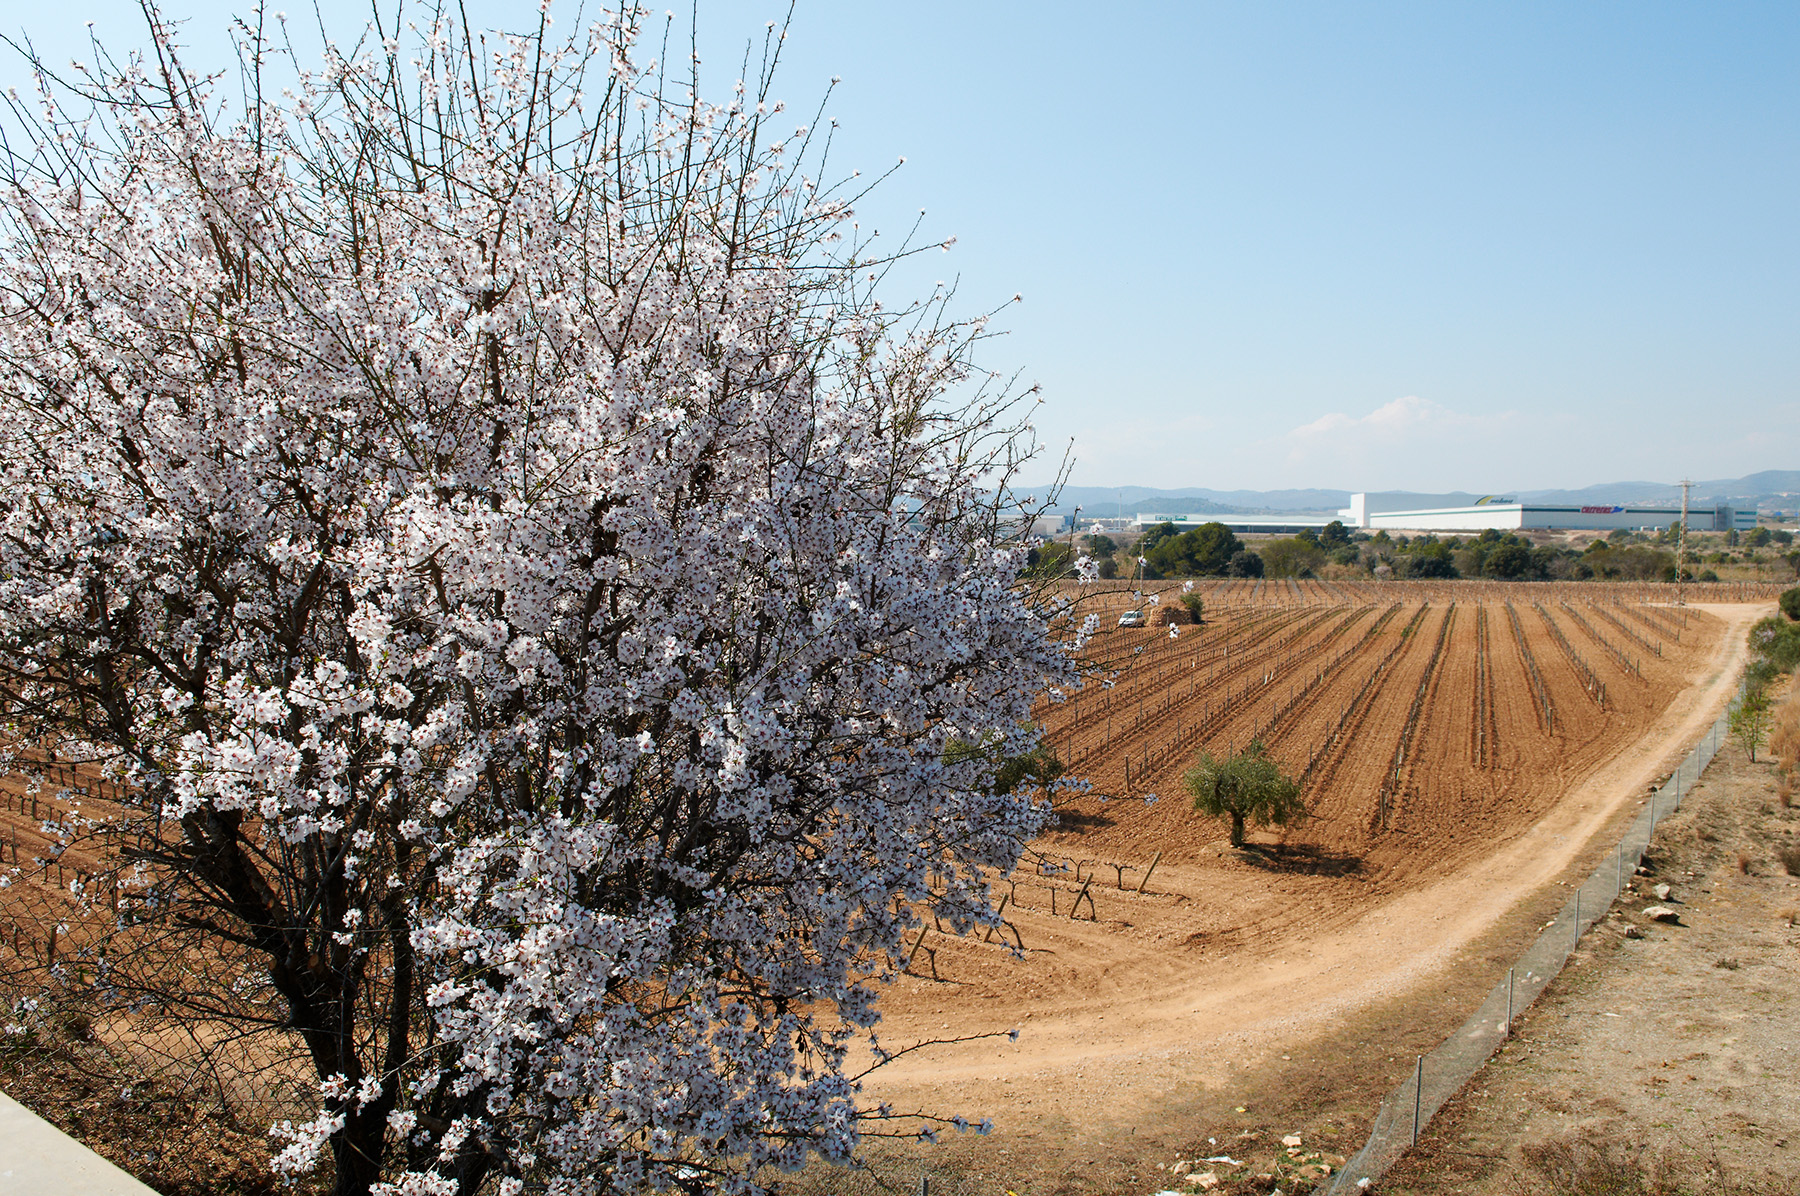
(1438,1076)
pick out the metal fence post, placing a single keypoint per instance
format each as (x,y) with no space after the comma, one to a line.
(1418,1095)
(1509,991)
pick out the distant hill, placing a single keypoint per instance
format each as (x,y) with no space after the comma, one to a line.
(1106,501)
(1777,488)
(1772,489)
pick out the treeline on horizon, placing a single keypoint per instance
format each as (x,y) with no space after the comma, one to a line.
(1337,552)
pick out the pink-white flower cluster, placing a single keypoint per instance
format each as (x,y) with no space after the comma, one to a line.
(536,582)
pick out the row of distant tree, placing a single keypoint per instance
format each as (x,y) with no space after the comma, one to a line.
(1213,550)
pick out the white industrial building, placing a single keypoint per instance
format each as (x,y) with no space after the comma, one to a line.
(1257,525)
(1467,513)
(1402,512)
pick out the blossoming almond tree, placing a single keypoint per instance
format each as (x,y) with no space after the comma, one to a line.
(527,581)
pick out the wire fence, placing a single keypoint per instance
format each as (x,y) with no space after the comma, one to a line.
(1438,1076)
(105,996)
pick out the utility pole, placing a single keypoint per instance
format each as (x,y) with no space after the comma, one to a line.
(1681,547)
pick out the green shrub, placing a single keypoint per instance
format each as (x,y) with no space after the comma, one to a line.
(1790,603)
(1777,641)
(1038,768)
(1750,720)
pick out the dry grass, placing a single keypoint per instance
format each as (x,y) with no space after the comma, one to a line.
(1784,746)
(1587,1164)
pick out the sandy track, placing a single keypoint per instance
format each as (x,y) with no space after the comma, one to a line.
(1223,960)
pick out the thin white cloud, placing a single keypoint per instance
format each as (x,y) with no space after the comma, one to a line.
(1144,450)
(1409,441)
(1407,415)
(1406,443)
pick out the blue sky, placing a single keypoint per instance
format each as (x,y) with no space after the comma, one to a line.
(1418,246)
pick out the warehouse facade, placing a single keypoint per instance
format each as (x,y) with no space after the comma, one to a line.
(1456,513)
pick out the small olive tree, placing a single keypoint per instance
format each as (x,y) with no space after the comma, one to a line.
(1243,787)
(1750,721)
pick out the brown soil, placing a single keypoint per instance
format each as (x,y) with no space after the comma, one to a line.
(1663,1058)
(1302,978)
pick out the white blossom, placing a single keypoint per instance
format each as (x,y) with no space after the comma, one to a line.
(553,520)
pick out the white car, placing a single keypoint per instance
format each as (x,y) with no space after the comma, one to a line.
(1132,618)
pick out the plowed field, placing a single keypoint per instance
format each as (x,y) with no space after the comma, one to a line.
(1446,733)
(1411,715)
